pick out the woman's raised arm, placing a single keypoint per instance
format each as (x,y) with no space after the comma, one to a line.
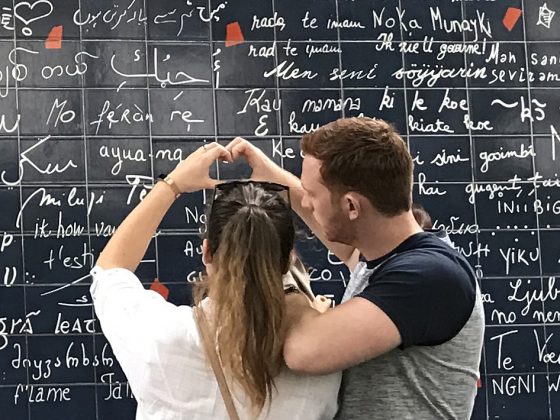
(128,245)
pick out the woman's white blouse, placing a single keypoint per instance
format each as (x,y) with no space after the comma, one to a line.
(159,349)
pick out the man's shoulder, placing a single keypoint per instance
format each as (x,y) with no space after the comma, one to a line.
(421,286)
(427,273)
(425,253)
(429,259)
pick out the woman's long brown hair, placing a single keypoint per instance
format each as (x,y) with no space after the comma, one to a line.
(250,236)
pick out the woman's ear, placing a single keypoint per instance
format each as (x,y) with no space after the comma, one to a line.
(206,257)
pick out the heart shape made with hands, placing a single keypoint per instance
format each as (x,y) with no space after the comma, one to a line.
(26,12)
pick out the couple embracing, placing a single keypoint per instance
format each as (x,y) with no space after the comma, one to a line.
(257,344)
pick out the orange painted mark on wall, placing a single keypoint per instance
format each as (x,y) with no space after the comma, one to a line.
(160,288)
(234,35)
(54,40)
(511,17)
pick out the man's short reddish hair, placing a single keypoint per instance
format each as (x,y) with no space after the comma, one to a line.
(367,156)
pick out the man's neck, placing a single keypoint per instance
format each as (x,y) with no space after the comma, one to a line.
(380,234)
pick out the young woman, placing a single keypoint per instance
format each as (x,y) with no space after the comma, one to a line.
(247,252)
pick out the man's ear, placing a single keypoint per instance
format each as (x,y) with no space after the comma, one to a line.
(353,205)
(206,257)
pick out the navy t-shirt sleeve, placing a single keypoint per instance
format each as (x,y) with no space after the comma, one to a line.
(429,297)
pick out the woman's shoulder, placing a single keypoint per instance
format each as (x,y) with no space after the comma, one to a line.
(178,326)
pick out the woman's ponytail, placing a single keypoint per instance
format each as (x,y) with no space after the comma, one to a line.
(247,294)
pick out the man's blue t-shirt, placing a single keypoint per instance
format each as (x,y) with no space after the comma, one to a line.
(426,287)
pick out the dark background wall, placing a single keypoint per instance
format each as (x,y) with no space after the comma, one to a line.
(136,85)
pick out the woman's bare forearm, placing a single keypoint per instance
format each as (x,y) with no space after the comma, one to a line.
(128,244)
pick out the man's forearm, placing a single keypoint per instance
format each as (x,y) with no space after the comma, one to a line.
(299,316)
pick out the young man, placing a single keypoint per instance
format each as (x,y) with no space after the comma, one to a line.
(410,331)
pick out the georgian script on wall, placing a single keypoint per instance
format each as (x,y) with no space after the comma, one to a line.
(97,98)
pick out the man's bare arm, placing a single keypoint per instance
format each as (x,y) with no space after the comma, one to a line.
(345,336)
